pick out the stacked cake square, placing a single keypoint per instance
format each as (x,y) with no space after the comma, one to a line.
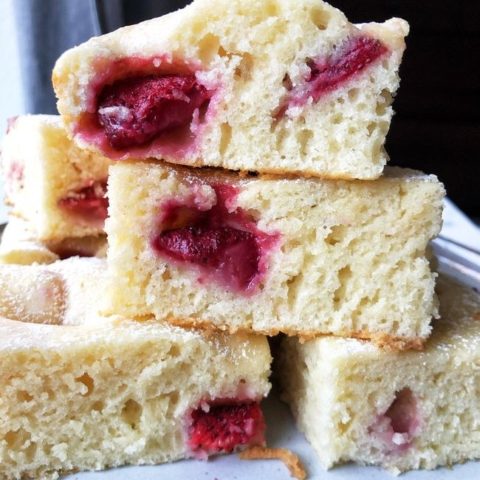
(401,410)
(229,158)
(302,256)
(276,87)
(81,391)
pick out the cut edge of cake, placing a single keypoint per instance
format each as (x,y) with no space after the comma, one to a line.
(198,40)
(356,402)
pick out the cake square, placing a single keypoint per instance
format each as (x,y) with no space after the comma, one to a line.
(19,245)
(49,182)
(402,411)
(278,86)
(209,248)
(85,392)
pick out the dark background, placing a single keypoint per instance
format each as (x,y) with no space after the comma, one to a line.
(437,125)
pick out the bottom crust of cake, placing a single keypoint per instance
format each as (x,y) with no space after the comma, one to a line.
(382,340)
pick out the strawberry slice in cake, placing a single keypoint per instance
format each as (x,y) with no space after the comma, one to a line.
(402,411)
(225,425)
(85,392)
(56,187)
(210,248)
(274,86)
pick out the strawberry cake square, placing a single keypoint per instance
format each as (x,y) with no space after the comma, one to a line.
(402,411)
(58,188)
(274,86)
(84,392)
(210,248)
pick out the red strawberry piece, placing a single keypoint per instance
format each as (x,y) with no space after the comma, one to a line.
(224,428)
(233,253)
(327,74)
(134,111)
(88,203)
(223,242)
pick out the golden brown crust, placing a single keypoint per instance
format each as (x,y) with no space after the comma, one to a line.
(290,459)
(263,173)
(275,172)
(207,327)
(382,340)
(397,344)
(215,173)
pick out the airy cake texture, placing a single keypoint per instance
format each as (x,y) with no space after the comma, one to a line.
(19,245)
(86,392)
(406,410)
(54,185)
(273,86)
(300,256)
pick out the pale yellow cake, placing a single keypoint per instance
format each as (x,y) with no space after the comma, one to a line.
(66,292)
(301,256)
(87,393)
(272,86)
(19,245)
(402,411)
(54,185)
